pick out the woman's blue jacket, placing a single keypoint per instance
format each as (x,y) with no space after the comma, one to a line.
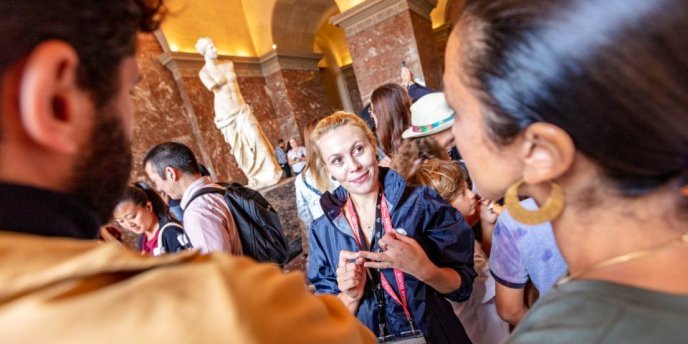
(434,224)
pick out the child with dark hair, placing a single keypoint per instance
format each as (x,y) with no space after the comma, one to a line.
(143,212)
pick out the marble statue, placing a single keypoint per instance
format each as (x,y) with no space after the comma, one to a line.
(235,119)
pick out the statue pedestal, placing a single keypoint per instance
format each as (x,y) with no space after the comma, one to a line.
(283,198)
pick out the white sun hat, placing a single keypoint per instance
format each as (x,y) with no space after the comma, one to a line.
(429,115)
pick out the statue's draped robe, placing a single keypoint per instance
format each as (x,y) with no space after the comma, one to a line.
(251,149)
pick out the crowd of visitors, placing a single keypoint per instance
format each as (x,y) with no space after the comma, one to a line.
(541,196)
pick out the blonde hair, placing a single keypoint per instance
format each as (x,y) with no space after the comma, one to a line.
(446,177)
(313,162)
(331,122)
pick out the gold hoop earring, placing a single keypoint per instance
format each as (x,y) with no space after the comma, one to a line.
(549,211)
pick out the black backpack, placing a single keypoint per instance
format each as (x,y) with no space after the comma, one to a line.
(260,231)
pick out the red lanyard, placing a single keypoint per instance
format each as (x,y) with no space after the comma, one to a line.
(352,218)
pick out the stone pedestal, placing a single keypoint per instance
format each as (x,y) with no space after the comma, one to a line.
(283,198)
(383,33)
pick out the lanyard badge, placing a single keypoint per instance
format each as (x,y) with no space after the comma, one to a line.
(380,283)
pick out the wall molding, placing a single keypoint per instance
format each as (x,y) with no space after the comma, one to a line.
(373,12)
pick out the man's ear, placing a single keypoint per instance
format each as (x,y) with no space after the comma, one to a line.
(51,104)
(171,174)
(548,152)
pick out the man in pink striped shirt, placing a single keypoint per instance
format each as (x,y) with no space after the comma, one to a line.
(207,220)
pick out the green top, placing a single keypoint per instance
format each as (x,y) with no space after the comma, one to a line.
(602,312)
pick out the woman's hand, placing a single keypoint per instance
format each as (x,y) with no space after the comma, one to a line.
(351,276)
(405,254)
(400,252)
(406,77)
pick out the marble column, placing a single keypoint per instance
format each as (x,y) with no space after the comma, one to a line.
(383,33)
(295,86)
(160,107)
(352,87)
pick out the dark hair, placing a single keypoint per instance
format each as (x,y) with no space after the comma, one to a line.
(392,107)
(613,74)
(141,193)
(419,148)
(205,172)
(171,154)
(101,32)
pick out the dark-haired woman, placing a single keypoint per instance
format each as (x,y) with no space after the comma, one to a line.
(390,107)
(583,106)
(141,211)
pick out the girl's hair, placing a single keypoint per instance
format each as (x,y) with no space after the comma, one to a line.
(611,73)
(392,107)
(140,194)
(313,162)
(446,177)
(414,149)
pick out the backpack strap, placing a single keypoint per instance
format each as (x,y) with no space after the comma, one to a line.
(203,191)
(161,248)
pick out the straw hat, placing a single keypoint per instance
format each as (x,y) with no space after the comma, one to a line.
(429,115)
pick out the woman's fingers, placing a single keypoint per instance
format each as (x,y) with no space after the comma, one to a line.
(372,256)
(378,265)
(346,256)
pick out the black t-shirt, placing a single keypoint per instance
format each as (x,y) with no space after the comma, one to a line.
(173,239)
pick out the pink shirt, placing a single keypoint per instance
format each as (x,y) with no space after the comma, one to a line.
(208,221)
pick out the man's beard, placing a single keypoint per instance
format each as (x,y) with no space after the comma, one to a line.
(102,171)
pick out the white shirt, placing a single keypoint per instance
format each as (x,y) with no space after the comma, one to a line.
(297,152)
(208,221)
(307,199)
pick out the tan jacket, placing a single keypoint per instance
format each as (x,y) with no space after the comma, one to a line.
(64,290)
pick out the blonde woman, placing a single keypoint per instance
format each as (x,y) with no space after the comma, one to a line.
(391,252)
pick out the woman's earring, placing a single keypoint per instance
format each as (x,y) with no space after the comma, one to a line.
(549,211)
(334,180)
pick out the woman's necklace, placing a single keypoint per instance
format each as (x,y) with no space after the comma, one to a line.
(623,259)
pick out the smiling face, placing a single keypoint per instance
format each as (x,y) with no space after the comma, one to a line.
(135,218)
(349,157)
(167,185)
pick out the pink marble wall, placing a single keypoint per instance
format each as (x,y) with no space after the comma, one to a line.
(378,51)
(307,95)
(277,91)
(254,90)
(158,107)
(297,96)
